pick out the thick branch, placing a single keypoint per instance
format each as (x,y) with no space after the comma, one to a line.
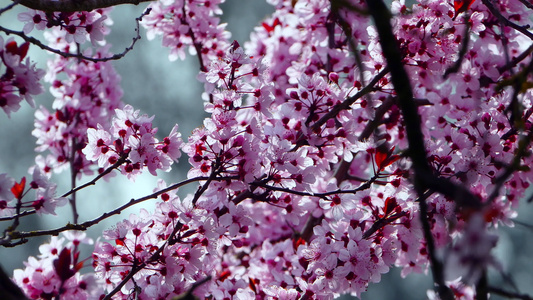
(8,289)
(74,5)
(417,152)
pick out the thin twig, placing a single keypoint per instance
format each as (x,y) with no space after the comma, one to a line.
(85,225)
(516,60)
(508,294)
(324,195)
(527,3)
(117,164)
(117,56)
(462,51)
(333,112)
(10,6)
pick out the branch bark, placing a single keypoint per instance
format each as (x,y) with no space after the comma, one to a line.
(424,177)
(74,5)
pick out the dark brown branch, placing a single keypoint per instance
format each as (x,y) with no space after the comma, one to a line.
(172,238)
(378,115)
(74,5)
(517,60)
(197,46)
(482,292)
(508,294)
(422,170)
(8,289)
(351,100)
(330,28)
(117,164)
(521,151)
(22,214)
(362,187)
(10,6)
(212,176)
(527,3)
(85,225)
(333,112)
(307,231)
(522,29)
(189,294)
(134,270)
(462,51)
(80,56)
(380,223)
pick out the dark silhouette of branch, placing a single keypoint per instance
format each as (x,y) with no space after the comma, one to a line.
(517,60)
(330,28)
(482,291)
(527,3)
(380,223)
(362,187)
(189,294)
(80,56)
(117,164)
(462,51)
(22,214)
(523,29)
(10,6)
(172,238)
(134,269)
(424,178)
(8,289)
(74,5)
(333,112)
(73,174)
(521,152)
(307,231)
(14,235)
(351,100)
(508,294)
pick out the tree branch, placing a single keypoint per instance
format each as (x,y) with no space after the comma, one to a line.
(523,29)
(424,176)
(74,5)
(117,56)
(6,240)
(10,6)
(462,51)
(517,60)
(508,294)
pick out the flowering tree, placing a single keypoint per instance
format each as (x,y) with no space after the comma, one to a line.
(345,138)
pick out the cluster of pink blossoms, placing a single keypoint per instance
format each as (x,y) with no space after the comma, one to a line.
(305,186)
(190,24)
(19,79)
(132,136)
(85,93)
(12,193)
(74,27)
(55,272)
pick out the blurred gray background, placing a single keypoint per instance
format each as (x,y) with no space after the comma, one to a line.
(170,91)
